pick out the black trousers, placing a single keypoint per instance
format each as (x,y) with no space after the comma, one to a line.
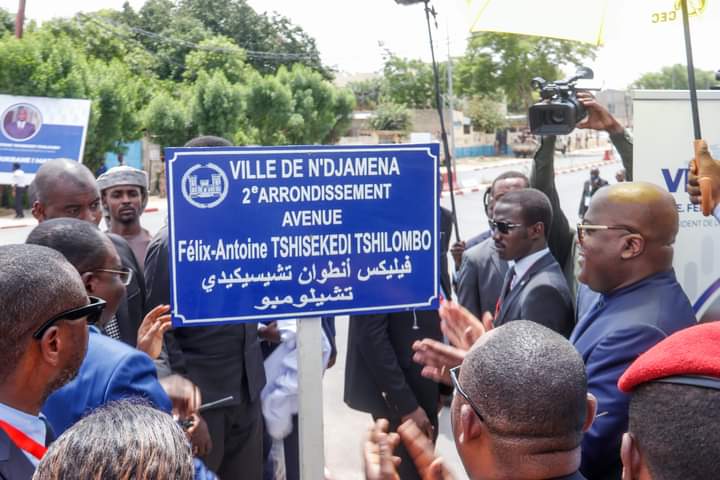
(19,200)
(237,437)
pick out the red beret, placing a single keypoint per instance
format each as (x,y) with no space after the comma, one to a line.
(694,351)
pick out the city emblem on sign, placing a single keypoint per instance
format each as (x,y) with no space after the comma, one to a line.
(205,186)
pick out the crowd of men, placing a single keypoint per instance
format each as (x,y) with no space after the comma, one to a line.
(570,353)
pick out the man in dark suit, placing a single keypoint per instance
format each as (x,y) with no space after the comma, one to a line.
(66,188)
(21,128)
(589,188)
(480,279)
(222,361)
(534,287)
(380,375)
(626,250)
(43,342)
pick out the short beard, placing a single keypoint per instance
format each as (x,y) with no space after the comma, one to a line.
(65,376)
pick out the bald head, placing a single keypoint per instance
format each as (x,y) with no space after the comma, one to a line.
(66,188)
(642,223)
(644,207)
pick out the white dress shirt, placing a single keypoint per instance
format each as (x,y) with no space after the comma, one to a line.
(524,264)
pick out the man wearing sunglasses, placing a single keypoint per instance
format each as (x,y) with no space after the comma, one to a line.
(520,408)
(629,301)
(111,370)
(44,338)
(481,274)
(67,189)
(534,287)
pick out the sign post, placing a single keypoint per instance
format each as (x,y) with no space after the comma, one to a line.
(271,233)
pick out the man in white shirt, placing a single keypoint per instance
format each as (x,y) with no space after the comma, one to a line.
(534,287)
(44,339)
(19,187)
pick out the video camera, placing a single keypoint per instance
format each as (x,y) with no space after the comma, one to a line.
(559,110)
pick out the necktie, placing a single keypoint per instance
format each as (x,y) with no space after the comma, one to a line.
(506,289)
(23,441)
(112,329)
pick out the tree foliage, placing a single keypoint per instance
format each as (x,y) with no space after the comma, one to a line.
(674,77)
(391,116)
(508,62)
(173,70)
(486,113)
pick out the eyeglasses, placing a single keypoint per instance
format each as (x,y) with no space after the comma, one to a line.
(91,312)
(503,227)
(454,375)
(124,274)
(583,227)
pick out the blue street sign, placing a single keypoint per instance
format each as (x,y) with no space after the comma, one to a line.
(262,233)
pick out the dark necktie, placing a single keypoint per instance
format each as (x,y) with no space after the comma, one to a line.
(505,290)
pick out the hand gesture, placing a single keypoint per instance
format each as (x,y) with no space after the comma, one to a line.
(199,436)
(598,118)
(151,331)
(380,464)
(460,326)
(437,359)
(184,395)
(422,451)
(704,169)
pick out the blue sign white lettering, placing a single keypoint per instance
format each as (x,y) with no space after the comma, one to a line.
(261,233)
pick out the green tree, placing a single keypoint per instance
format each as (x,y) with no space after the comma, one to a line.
(269,108)
(486,114)
(674,77)
(391,116)
(280,41)
(7,22)
(217,106)
(509,62)
(217,54)
(367,92)
(319,108)
(114,115)
(409,82)
(167,121)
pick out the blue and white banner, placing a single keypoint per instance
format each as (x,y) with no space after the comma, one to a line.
(34,130)
(262,233)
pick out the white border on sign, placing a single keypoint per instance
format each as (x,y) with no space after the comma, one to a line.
(248,318)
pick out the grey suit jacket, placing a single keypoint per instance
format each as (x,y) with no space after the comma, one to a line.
(480,278)
(541,295)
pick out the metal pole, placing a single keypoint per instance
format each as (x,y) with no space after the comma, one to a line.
(443,132)
(451,100)
(691,71)
(20,19)
(310,393)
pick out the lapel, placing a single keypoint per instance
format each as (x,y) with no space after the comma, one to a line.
(542,263)
(13,462)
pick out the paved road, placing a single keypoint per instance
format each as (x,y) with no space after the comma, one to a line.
(345,428)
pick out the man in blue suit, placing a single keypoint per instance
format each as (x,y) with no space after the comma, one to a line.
(44,337)
(630,301)
(111,370)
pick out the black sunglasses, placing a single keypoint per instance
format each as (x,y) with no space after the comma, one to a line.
(503,227)
(92,311)
(454,376)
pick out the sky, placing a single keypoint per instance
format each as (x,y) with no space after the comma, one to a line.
(349,32)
